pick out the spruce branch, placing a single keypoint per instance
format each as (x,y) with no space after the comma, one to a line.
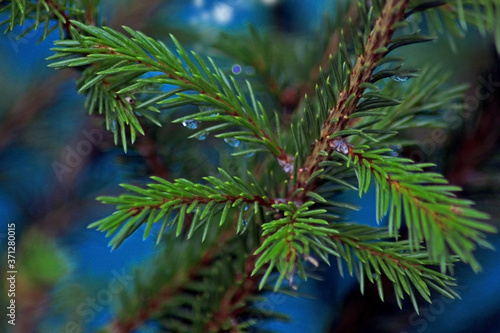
(289,240)
(371,252)
(375,49)
(156,203)
(432,211)
(115,77)
(434,216)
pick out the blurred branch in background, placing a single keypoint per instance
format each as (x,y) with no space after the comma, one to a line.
(478,140)
(38,98)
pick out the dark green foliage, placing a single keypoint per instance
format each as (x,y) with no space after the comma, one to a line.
(453,17)
(45,12)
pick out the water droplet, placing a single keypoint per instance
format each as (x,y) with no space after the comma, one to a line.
(293,285)
(138,114)
(236,69)
(340,146)
(113,126)
(232,142)
(191,124)
(247,207)
(250,70)
(400,78)
(244,223)
(312,260)
(287,164)
(288,168)
(249,155)
(130,100)
(202,136)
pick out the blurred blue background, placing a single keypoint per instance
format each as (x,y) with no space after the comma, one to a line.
(49,191)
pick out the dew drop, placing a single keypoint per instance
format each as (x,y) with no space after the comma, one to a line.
(130,100)
(400,78)
(249,155)
(236,69)
(232,142)
(287,164)
(312,260)
(191,124)
(113,126)
(244,223)
(201,136)
(340,145)
(288,168)
(247,207)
